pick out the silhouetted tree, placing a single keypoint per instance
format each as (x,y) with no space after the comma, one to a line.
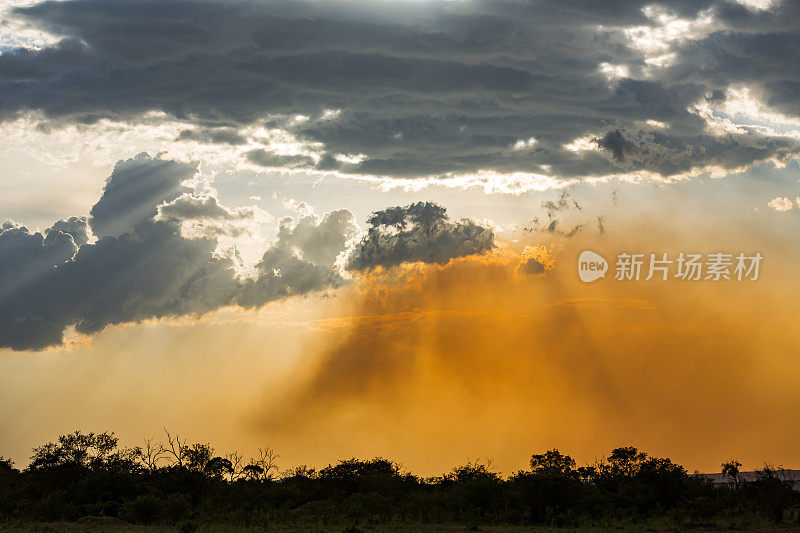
(730,470)
(151,454)
(772,492)
(178,483)
(553,462)
(76,449)
(265,466)
(175,449)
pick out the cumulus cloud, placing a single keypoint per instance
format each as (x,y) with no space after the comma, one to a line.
(302,257)
(783,204)
(190,206)
(427,89)
(318,241)
(201,215)
(134,190)
(26,256)
(144,266)
(417,232)
(138,269)
(75,227)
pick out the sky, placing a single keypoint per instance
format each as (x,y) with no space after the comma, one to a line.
(355,228)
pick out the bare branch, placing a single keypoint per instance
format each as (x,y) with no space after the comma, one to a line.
(176,448)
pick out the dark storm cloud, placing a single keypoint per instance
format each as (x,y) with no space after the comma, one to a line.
(767,61)
(417,232)
(424,88)
(669,155)
(143,267)
(267,159)
(218,135)
(617,144)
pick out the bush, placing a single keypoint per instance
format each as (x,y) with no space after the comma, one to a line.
(145,509)
(628,488)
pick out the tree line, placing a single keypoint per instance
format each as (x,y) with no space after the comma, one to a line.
(184,484)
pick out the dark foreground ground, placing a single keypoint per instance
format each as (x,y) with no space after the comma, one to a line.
(84,482)
(99,524)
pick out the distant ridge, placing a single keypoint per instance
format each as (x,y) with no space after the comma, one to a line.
(792,475)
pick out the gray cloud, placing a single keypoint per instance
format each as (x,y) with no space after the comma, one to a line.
(133,192)
(417,232)
(138,269)
(760,50)
(669,155)
(143,267)
(301,258)
(318,242)
(26,256)
(617,144)
(201,215)
(425,88)
(76,227)
(268,159)
(191,206)
(218,135)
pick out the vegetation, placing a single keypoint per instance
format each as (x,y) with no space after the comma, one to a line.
(185,485)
